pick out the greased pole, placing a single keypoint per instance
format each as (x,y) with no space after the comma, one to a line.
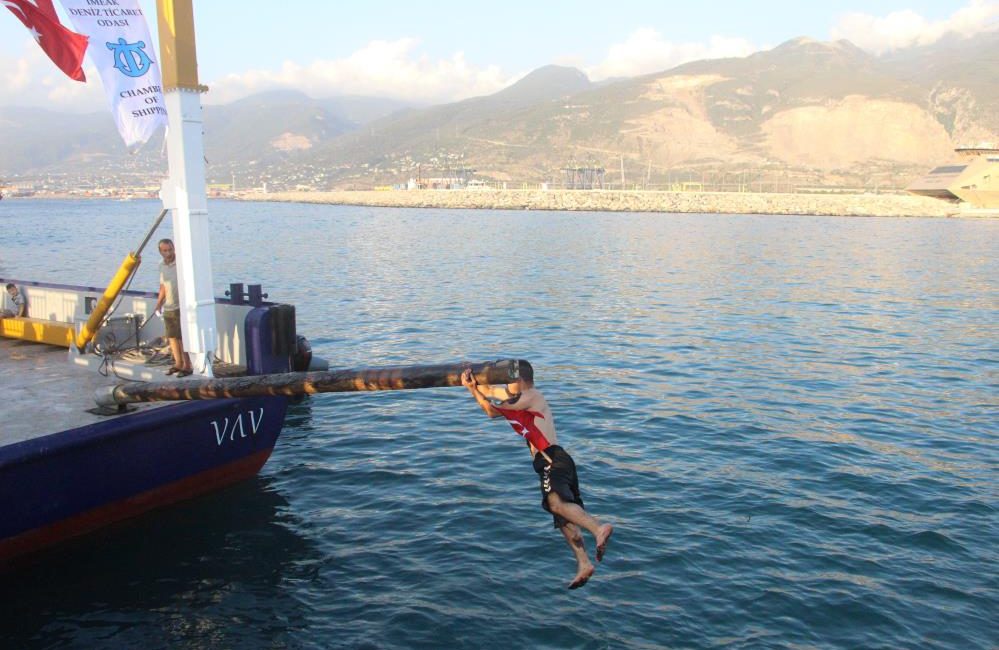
(305,383)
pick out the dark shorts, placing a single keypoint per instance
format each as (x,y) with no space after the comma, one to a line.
(171,322)
(560,477)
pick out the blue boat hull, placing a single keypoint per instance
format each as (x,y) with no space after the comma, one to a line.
(75,481)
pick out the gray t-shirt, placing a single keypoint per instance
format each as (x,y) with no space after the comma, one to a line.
(18,302)
(168,278)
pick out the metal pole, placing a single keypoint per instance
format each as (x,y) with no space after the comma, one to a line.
(114,288)
(149,234)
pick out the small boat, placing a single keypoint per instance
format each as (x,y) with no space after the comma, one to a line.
(67,466)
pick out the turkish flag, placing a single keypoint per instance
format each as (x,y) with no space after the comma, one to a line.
(47,8)
(65,48)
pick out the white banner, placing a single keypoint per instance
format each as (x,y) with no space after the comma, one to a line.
(121,49)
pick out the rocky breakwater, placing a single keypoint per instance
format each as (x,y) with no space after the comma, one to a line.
(860,205)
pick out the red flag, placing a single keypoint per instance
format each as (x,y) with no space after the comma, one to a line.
(65,48)
(47,8)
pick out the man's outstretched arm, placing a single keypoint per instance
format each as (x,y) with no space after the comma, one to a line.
(468,381)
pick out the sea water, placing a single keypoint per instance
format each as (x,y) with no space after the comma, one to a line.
(792,423)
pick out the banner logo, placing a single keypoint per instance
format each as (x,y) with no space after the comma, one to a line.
(130,58)
(128,67)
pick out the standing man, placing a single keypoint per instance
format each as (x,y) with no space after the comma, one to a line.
(20,304)
(529,415)
(170,302)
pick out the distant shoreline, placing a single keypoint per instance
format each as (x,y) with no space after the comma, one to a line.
(854,205)
(840,205)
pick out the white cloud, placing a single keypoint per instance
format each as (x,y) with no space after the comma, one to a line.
(398,69)
(646,51)
(381,68)
(901,29)
(30,79)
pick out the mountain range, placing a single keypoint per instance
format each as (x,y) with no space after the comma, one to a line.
(826,113)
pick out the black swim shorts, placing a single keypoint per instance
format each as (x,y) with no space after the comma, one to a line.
(558,477)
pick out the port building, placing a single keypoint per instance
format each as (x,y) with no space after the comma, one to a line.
(972,178)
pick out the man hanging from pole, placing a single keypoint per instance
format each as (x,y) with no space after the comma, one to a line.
(528,412)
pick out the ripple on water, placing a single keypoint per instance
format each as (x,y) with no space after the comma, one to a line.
(752,401)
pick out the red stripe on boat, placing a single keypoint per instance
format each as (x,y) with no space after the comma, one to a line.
(40,538)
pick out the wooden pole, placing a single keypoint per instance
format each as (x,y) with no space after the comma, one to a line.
(305,383)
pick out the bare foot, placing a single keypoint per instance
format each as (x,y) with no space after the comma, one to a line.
(584,574)
(603,536)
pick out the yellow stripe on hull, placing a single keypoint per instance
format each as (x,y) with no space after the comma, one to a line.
(37,330)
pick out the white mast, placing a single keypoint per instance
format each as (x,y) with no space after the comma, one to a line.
(184,190)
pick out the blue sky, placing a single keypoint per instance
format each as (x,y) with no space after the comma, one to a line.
(447,50)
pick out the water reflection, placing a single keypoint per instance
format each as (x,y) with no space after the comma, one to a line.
(173,576)
(299,418)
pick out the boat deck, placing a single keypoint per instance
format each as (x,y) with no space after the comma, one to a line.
(44,392)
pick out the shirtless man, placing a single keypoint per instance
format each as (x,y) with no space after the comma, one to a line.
(529,415)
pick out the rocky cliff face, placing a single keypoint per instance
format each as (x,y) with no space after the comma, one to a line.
(854,130)
(821,113)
